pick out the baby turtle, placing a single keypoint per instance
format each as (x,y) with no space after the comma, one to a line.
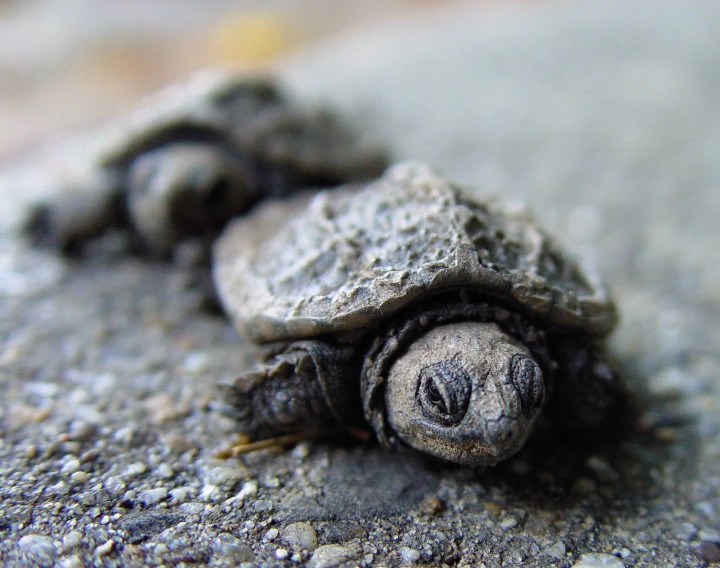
(196,155)
(450,325)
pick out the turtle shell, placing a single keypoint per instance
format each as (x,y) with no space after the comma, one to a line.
(248,114)
(197,108)
(355,257)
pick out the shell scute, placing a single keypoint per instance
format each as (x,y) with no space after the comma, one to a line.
(358,255)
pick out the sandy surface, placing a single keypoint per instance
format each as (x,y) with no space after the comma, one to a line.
(604,118)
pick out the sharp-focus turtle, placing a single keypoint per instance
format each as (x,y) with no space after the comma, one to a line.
(197,154)
(451,324)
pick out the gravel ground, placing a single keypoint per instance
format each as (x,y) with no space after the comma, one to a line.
(605,119)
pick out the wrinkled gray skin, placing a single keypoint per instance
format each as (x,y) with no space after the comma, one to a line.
(199,153)
(451,326)
(466,391)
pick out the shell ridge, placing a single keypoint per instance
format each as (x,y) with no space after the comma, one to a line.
(408,235)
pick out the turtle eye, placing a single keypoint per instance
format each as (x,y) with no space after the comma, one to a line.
(444,392)
(528,380)
(434,396)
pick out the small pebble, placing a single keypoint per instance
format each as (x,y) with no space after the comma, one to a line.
(709,535)
(210,492)
(409,555)
(153,496)
(41,389)
(124,435)
(81,431)
(163,408)
(271,482)
(301,451)
(331,555)
(182,494)
(281,554)
(71,539)
(71,562)
(135,469)
(105,549)
(249,489)
(232,550)
(114,485)
(513,558)
(262,506)
(196,362)
(508,523)
(71,466)
(79,477)
(272,534)
(594,560)
(685,531)
(432,506)
(192,508)
(89,456)
(556,551)
(300,535)
(223,475)
(707,552)
(71,447)
(164,471)
(705,508)
(60,488)
(41,548)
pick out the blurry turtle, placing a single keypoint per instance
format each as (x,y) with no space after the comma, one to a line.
(197,154)
(450,325)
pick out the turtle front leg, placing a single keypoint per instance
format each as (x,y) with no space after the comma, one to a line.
(79,212)
(299,386)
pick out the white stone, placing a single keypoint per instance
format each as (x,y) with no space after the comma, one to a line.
(154,496)
(595,560)
(409,555)
(331,555)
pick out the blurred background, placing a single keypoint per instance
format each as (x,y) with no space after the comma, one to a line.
(65,64)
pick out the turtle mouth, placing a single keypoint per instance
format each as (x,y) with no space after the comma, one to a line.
(471,449)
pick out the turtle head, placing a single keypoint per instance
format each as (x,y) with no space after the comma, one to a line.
(465,392)
(185,189)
